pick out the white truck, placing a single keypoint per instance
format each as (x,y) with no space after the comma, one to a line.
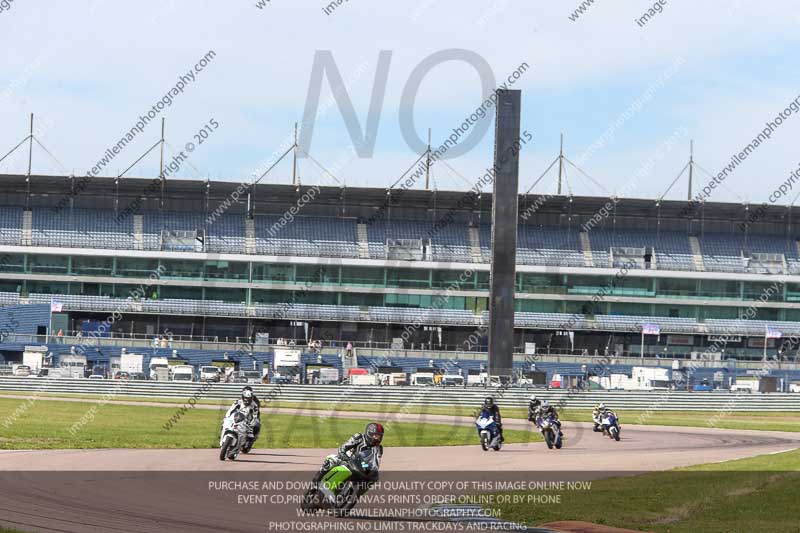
(210,373)
(477,378)
(453,380)
(181,373)
(422,379)
(159,369)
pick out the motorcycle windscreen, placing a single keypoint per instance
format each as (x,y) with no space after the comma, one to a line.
(336,477)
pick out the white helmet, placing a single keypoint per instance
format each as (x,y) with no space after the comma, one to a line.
(601,406)
(532,398)
(247,395)
(545,403)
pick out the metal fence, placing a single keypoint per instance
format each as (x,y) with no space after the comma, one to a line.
(417,397)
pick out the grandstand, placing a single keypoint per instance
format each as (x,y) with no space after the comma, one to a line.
(364,264)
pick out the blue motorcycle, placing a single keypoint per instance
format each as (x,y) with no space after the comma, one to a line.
(551,431)
(488,432)
(610,424)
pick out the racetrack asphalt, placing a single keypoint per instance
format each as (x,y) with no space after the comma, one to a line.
(138,490)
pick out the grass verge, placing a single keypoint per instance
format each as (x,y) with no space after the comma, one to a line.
(747,495)
(765,421)
(48,424)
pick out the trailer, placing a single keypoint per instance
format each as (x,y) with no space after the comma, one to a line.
(391,375)
(72,365)
(287,365)
(477,378)
(33,357)
(360,376)
(132,363)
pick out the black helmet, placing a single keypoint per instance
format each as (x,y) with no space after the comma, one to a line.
(247,395)
(488,402)
(373,433)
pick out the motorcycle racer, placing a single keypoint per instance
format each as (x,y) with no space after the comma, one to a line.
(250,405)
(548,410)
(534,405)
(493,409)
(370,440)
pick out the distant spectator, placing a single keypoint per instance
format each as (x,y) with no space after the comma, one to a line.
(60,335)
(163,342)
(349,350)
(79,336)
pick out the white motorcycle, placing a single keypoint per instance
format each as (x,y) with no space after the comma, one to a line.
(235,428)
(489,432)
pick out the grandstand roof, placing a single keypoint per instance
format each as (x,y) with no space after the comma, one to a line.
(186,194)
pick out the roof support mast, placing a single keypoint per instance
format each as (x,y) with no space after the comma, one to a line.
(294,157)
(691,168)
(560,163)
(161,165)
(428,163)
(30,163)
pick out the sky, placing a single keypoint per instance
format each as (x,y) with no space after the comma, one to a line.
(628,98)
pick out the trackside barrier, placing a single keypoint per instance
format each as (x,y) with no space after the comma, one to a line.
(331,395)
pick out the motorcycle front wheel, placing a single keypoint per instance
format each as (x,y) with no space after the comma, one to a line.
(485,443)
(223,451)
(349,502)
(309,502)
(548,439)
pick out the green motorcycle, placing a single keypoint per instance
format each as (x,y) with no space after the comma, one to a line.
(339,488)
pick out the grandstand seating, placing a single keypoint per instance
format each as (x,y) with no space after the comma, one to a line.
(10,225)
(226,235)
(312,236)
(306,236)
(399,315)
(540,245)
(449,241)
(83,228)
(22,319)
(672,249)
